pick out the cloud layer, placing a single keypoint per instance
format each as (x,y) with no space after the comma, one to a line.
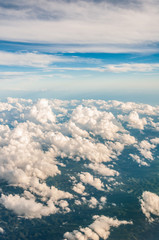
(80,22)
(65,154)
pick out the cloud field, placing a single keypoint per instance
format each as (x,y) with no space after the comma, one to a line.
(80,143)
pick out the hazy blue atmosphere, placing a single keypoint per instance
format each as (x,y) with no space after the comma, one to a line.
(79,119)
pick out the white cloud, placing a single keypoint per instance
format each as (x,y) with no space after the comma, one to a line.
(87,178)
(155,141)
(79,147)
(102,169)
(100,123)
(79,188)
(144,147)
(132,67)
(31,59)
(93,202)
(127,139)
(150,204)
(27,208)
(138,160)
(133,120)
(100,228)
(42,112)
(39,138)
(146,154)
(81,22)
(118,68)
(132,106)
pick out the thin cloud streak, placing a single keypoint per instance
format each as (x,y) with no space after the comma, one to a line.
(116,68)
(30,59)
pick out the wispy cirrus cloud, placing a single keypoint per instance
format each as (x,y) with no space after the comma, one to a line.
(31,59)
(132,67)
(116,68)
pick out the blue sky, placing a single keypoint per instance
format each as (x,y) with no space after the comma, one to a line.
(80,48)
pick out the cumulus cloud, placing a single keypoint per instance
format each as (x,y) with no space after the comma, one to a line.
(100,123)
(79,147)
(138,160)
(27,207)
(145,149)
(150,204)
(102,169)
(133,120)
(132,106)
(40,139)
(79,188)
(100,228)
(87,178)
(93,202)
(42,112)
(155,141)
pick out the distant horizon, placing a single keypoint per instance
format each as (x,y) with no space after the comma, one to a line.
(138,97)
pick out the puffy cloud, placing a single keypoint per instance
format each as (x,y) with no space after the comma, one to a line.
(5,106)
(27,208)
(79,188)
(127,139)
(42,112)
(100,123)
(75,131)
(64,205)
(103,200)
(150,204)
(79,147)
(102,169)
(93,202)
(144,147)
(155,141)
(155,125)
(87,178)
(22,158)
(99,229)
(147,154)
(138,160)
(133,120)
(132,106)
(38,140)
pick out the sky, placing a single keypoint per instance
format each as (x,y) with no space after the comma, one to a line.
(80,49)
